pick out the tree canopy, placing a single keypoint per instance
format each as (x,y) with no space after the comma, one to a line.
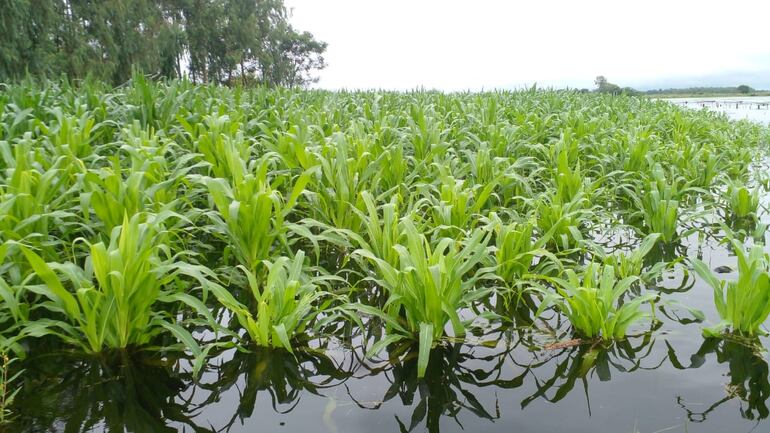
(207,40)
(745,89)
(604,86)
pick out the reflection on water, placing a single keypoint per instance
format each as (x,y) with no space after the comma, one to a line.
(118,392)
(532,377)
(466,387)
(748,378)
(283,376)
(448,387)
(584,361)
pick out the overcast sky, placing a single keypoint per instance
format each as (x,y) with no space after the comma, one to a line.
(474,44)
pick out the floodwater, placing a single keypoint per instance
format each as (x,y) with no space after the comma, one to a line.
(669,380)
(754,108)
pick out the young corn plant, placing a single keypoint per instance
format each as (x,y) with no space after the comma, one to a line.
(111,197)
(289,302)
(221,144)
(660,215)
(569,181)
(71,136)
(632,264)
(340,180)
(453,206)
(592,301)
(743,305)
(743,202)
(428,287)
(251,212)
(33,198)
(515,248)
(381,232)
(109,303)
(563,221)
(164,164)
(659,205)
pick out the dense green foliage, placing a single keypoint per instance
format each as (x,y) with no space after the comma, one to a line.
(134,217)
(744,304)
(208,40)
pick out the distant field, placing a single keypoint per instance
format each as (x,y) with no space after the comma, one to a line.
(708,95)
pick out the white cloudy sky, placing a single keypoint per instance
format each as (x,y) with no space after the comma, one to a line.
(473,44)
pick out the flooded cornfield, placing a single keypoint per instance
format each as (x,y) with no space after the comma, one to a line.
(754,108)
(182,258)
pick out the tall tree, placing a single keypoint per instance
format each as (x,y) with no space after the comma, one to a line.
(211,40)
(291,58)
(26,44)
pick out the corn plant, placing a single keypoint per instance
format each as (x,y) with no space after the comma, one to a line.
(109,303)
(339,181)
(288,303)
(516,248)
(428,287)
(251,213)
(568,181)
(743,202)
(659,204)
(70,135)
(34,197)
(593,302)
(631,264)
(660,215)
(743,305)
(453,205)
(221,144)
(111,197)
(381,233)
(563,221)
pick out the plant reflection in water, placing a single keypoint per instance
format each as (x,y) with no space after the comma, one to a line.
(748,372)
(449,387)
(115,392)
(285,377)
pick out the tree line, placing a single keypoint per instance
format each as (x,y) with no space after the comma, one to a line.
(604,86)
(218,41)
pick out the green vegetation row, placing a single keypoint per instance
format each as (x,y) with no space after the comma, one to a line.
(178,217)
